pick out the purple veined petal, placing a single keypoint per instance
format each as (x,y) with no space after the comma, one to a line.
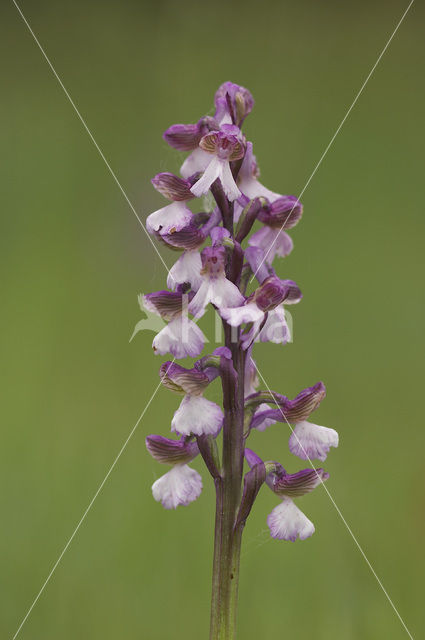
(188,238)
(167,451)
(293,292)
(172,187)
(184,137)
(197,161)
(165,304)
(173,217)
(186,269)
(293,485)
(179,487)
(181,337)
(235,316)
(273,291)
(271,242)
(307,401)
(181,380)
(197,415)
(311,441)
(263,423)
(287,522)
(284,212)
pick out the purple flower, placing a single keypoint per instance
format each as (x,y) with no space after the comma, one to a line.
(196,415)
(181,485)
(238,101)
(292,411)
(181,336)
(287,521)
(215,287)
(309,441)
(225,146)
(266,299)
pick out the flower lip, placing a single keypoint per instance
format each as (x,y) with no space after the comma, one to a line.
(213,261)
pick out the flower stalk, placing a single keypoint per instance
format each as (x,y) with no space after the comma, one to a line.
(219,255)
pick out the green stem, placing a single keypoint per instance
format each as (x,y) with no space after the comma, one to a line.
(227,544)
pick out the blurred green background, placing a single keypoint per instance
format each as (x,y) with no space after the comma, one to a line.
(74,259)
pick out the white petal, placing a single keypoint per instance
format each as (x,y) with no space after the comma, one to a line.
(211,173)
(276,328)
(180,486)
(252,188)
(173,217)
(228,183)
(238,315)
(198,160)
(310,441)
(186,269)
(267,422)
(197,415)
(287,522)
(272,241)
(181,337)
(225,293)
(201,299)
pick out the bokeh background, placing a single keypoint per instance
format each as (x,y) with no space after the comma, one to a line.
(74,259)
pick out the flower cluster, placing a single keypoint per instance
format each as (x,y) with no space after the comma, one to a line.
(219,258)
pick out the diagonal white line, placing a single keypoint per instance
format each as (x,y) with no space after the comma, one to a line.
(341,124)
(83,122)
(338,510)
(111,468)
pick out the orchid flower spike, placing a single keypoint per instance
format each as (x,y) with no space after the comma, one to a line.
(196,415)
(224,240)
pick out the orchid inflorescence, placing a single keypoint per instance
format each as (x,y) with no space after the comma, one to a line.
(221,162)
